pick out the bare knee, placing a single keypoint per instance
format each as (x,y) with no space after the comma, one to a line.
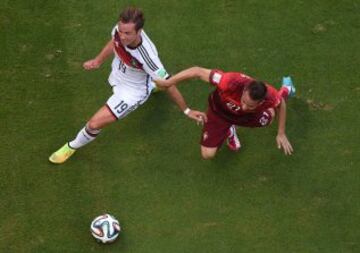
(93,124)
(207,156)
(208,153)
(101,118)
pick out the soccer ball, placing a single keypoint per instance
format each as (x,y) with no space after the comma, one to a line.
(105,228)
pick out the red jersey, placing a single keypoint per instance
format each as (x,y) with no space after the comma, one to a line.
(226,99)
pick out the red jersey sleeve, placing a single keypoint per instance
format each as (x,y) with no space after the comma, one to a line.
(216,76)
(225,81)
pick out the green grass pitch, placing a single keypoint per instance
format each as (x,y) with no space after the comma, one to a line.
(146,170)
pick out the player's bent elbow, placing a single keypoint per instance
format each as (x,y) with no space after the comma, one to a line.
(197,71)
(272,113)
(201,73)
(196,68)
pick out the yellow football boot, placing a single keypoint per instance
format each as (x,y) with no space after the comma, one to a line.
(62,154)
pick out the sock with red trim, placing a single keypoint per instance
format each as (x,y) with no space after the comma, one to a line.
(284,92)
(85,136)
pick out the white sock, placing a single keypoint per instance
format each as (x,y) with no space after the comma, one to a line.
(232,129)
(85,136)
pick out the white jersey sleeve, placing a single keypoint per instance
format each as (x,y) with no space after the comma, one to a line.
(150,59)
(113,31)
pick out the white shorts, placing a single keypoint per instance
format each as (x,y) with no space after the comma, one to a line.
(122,103)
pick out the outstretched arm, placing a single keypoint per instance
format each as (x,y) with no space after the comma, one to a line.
(190,73)
(100,58)
(174,93)
(176,96)
(281,138)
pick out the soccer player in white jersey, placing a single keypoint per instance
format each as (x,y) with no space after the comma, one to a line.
(135,65)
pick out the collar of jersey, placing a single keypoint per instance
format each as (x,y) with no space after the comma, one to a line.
(138,45)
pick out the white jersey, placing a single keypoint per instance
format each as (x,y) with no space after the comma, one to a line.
(133,69)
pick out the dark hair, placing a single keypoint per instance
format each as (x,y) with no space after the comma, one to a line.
(134,15)
(257,90)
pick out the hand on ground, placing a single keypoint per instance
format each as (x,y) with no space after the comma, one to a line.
(283,143)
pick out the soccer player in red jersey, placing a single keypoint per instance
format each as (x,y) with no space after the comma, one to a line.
(238,100)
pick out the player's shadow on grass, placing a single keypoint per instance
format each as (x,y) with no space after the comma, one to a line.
(154,115)
(299,121)
(159,124)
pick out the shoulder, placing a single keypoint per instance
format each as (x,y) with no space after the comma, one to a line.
(147,46)
(272,96)
(224,79)
(215,76)
(114,30)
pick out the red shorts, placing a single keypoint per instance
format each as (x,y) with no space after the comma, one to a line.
(216,129)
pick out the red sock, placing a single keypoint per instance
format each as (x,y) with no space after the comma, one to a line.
(283,92)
